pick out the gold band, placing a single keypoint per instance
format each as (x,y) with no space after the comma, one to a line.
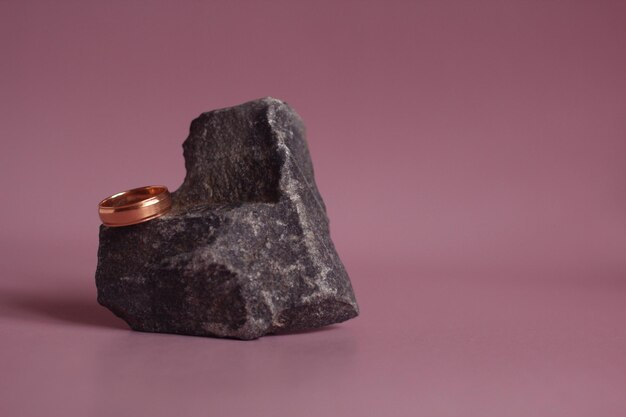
(135,206)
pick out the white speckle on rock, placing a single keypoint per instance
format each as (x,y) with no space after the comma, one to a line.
(133,279)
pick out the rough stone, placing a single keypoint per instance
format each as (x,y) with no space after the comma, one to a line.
(245,250)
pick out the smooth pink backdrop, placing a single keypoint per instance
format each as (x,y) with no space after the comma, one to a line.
(472,156)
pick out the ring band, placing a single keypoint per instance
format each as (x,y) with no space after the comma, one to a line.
(135,206)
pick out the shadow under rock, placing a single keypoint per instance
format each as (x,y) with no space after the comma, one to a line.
(328,328)
(78,309)
(83,310)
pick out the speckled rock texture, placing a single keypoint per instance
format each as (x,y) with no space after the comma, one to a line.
(245,250)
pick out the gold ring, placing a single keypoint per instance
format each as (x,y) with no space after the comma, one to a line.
(135,206)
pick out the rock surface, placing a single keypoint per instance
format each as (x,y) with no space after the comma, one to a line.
(245,250)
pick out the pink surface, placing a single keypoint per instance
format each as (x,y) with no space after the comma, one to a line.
(472,156)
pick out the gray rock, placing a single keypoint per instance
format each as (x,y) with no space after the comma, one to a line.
(245,250)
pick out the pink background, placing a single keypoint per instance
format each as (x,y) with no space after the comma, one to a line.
(472,155)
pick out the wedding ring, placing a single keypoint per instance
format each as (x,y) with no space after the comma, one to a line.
(135,206)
